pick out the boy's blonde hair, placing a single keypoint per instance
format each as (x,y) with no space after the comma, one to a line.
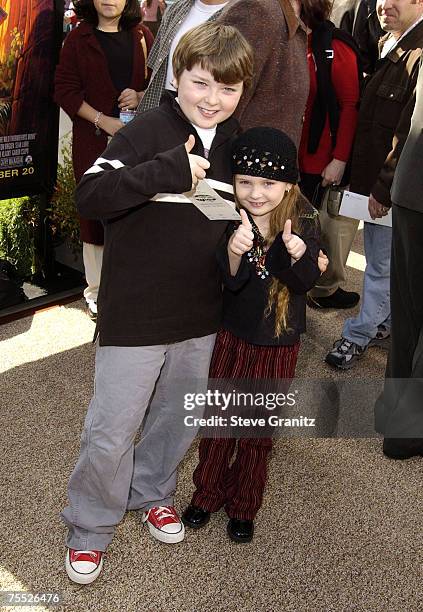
(220,49)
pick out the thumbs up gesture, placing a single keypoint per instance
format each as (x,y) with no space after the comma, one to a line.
(197,163)
(294,245)
(241,240)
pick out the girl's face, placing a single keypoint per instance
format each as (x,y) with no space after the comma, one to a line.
(109,10)
(259,196)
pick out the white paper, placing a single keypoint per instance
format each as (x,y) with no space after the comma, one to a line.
(356,206)
(211,204)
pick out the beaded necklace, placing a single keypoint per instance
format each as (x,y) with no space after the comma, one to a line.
(257,254)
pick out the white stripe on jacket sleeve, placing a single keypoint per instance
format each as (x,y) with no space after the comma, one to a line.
(114,163)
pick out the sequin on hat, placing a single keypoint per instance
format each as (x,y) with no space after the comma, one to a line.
(267,153)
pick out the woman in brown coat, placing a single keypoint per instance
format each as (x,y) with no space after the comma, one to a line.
(102,71)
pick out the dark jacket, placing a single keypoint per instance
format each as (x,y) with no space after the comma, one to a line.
(160,281)
(82,75)
(246,295)
(362,22)
(407,188)
(384,118)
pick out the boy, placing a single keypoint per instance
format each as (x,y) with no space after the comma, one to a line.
(160,295)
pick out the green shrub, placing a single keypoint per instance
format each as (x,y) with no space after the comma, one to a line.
(62,213)
(19,218)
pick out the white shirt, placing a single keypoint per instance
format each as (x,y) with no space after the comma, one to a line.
(206,135)
(391,43)
(198,14)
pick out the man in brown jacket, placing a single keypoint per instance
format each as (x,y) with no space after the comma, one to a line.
(383,126)
(278,37)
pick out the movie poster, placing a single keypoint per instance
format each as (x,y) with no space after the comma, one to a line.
(30,39)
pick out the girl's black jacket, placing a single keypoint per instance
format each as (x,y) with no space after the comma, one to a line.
(246,295)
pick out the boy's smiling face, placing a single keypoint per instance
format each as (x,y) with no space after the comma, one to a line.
(204,101)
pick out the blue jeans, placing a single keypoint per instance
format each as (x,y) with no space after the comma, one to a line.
(375,302)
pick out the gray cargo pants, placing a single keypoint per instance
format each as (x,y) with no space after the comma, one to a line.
(112,475)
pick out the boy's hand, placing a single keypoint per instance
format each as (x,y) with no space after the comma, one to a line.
(294,245)
(241,240)
(322,262)
(197,163)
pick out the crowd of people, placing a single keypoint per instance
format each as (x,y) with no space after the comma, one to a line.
(275,109)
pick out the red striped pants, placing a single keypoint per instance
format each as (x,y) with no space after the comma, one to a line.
(239,487)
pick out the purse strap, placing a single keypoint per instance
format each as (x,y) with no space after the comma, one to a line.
(145,53)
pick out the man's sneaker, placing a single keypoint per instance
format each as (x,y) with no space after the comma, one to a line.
(164,524)
(382,338)
(92,309)
(344,354)
(83,566)
(339,299)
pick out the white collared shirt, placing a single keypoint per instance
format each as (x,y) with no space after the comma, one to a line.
(392,42)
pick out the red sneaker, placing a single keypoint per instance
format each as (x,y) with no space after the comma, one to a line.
(83,566)
(164,524)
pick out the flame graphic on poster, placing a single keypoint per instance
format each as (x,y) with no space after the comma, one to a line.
(28,50)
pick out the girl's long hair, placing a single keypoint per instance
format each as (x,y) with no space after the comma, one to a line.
(290,207)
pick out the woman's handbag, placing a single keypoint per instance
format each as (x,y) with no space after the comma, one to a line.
(332,199)
(328,198)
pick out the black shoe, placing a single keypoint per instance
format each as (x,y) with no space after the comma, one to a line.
(240,531)
(339,299)
(402,448)
(195,517)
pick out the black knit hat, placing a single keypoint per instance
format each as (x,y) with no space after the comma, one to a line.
(265,152)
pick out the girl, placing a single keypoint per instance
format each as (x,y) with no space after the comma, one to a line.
(267,271)
(102,70)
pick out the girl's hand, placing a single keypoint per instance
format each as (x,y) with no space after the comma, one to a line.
(322,262)
(110,125)
(333,173)
(295,246)
(128,99)
(241,240)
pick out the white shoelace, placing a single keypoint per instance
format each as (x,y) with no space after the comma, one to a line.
(91,553)
(164,512)
(345,346)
